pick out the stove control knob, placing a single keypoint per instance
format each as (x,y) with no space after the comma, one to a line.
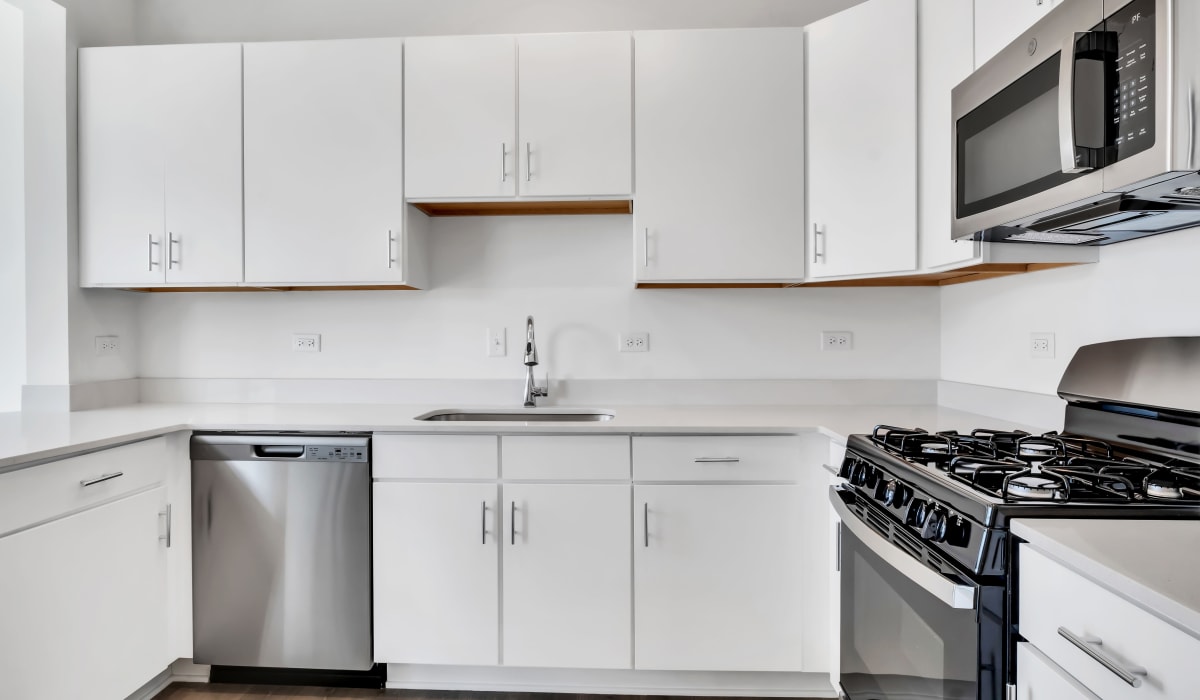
(895,494)
(917,511)
(862,473)
(934,527)
(958,531)
(847,467)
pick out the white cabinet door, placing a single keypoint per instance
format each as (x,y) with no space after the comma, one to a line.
(720,155)
(160,157)
(324,154)
(999,22)
(567,576)
(946,59)
(84,603)
(436,574)
(1039,678)
(862,140)
(460,125)
(576,114)
(718,580)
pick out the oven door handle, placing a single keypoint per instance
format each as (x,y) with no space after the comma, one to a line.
(944,589)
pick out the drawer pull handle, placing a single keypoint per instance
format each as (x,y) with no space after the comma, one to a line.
(717,460)
(100,479)
(1088,646)
(167,515)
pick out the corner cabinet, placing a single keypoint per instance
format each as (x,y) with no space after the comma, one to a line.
(160,165)
(324,157)
(862,140)
(85,603)
(497,117)
(720,155)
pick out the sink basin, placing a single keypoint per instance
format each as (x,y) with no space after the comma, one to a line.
(519,415)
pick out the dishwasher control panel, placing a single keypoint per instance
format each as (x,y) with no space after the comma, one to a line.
(335,453)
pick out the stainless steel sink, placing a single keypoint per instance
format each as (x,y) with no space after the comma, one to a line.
(519,415)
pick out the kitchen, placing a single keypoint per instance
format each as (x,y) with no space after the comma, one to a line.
(961,346)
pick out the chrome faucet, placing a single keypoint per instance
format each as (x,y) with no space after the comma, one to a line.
(532,390)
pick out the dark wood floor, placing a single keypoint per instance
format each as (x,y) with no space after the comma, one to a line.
(219,691)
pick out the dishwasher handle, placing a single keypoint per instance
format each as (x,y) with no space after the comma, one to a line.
(279,450)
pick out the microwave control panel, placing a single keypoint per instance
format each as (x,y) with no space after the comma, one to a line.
(1133,95)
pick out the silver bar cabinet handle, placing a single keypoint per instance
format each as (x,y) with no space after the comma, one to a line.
(528,161)
(718,460)
(512,523)
(101,479)
(646,247)
(1088,646)
(646,524)
(167,537)
(483,525)
(391,241)
(818,236)
(503,162)
(171,261)
(150,252)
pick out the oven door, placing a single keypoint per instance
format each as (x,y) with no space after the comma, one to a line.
(909,630)
(1031,131)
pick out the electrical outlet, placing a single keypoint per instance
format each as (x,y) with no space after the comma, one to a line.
(837,340)
(497,342)
(306,342)
(1041,345)
(108,344)
(638,341)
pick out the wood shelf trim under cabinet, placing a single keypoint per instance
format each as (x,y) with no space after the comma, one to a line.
(974,273)
(525,207)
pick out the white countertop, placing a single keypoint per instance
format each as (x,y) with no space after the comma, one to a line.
(30,437)
(1153,563)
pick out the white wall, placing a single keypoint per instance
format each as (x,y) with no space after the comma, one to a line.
(12,206)
(1147,287)
(176,21)
(574,274)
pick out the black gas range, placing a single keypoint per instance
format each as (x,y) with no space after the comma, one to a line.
(928,567)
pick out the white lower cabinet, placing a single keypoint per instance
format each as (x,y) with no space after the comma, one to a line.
(717,577)
(83,603)
(1039,678)
(566,576)
(436,573)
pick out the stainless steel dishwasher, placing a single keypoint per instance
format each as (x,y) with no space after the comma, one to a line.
(281,551)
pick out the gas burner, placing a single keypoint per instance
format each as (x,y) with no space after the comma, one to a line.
(936,448)
(1038,449)
(1036,487)
(968,467)
(1163,489)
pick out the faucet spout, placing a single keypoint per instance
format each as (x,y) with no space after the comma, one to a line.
(532,390)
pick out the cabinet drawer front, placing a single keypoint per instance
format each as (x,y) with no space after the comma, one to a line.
(1054,597)
(716,458)
(565,458)
(47,491)
(435,457)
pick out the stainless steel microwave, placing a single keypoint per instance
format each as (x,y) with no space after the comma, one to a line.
(1083,130)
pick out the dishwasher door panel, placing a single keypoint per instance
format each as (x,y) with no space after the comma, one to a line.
(281,562)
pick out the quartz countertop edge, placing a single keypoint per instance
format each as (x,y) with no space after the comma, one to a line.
(27,438)
(1114,554)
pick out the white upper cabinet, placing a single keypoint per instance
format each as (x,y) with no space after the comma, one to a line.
(720,155)
(573,107)
(461,121)
(946,59)
(862,140)
(576,114)
(160,165)
(999,22)
(324,164)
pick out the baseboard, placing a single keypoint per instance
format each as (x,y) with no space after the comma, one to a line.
(158,684)
(609,682)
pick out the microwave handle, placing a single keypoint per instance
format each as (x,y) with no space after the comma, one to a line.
(953,594)
(1066,106)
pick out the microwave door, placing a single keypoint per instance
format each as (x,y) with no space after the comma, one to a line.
(1028,115)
